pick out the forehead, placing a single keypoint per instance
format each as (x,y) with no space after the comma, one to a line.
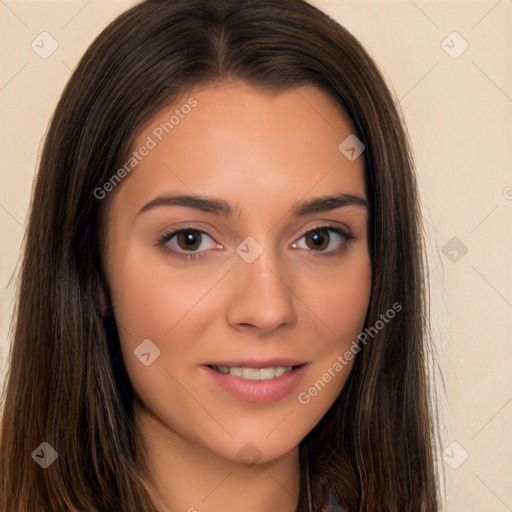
(235,141)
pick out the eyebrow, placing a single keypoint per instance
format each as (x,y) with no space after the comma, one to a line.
(322,204)
(220,207)
(204,204)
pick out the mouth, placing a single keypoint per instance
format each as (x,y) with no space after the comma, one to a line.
(255,373)
(257,382)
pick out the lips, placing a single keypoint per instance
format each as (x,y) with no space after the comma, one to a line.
(256,363)
(262,390)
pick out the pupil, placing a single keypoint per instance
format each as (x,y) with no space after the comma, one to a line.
(189,240)
(319,239)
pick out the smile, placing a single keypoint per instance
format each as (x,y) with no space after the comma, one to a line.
(257,385)
(271,372)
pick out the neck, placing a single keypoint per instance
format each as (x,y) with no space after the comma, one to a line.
(190,478)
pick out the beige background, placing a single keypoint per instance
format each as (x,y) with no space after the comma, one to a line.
(459,115)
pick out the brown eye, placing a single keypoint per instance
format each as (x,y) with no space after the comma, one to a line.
(189,240)
(325,240)
(318,240)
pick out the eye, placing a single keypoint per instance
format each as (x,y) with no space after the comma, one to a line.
(324,239)
(187,242)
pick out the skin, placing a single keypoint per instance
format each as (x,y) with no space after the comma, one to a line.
(261,153)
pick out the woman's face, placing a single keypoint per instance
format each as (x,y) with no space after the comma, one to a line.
(237,242)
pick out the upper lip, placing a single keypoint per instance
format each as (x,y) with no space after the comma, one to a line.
(257,363)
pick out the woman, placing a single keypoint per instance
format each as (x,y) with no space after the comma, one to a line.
(179,347)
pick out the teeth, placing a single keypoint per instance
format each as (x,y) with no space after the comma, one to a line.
(281,370)
(255,373)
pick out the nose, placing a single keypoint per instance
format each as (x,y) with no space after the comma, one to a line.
(261,299)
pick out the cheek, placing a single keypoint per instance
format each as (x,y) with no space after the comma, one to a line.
(339,302)
(165,305)
(150,297)
(340,299)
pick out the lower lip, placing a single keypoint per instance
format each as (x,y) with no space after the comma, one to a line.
(258,391)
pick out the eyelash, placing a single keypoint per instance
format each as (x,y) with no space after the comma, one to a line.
(164,238)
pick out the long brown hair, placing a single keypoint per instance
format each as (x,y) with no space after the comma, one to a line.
(67,385)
